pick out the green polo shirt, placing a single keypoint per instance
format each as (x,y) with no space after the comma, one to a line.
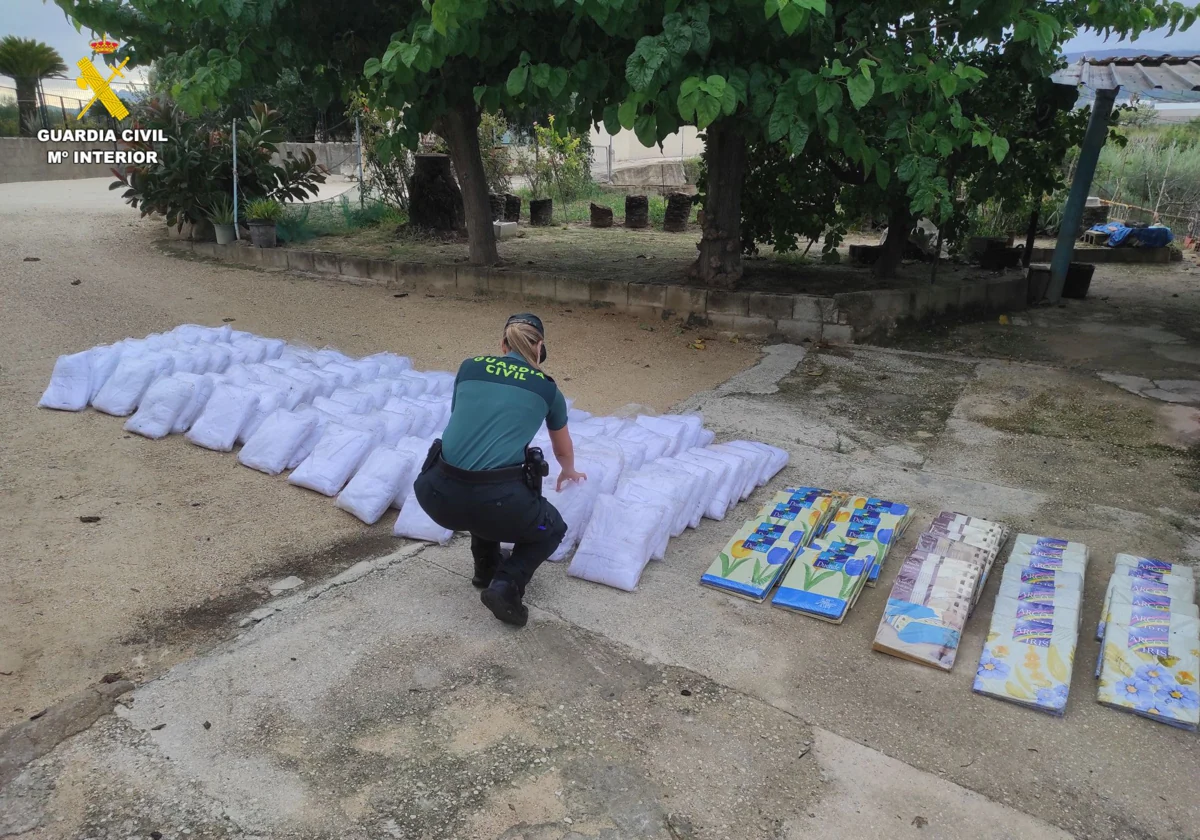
(499,405)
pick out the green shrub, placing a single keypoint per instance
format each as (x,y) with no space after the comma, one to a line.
(264,210)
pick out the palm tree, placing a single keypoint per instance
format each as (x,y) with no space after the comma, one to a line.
(28,62)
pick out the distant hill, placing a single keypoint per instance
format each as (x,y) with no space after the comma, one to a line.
(1072,57)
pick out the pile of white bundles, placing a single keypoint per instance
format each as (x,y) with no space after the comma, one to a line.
(359,429)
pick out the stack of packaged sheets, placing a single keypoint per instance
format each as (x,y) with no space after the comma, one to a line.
(761,550)
(1151,641)
(1030,648)
(937,588)
(827,577)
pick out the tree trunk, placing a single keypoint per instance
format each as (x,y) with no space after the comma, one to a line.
(719,263)
(27,108)
(900,222)
(460,127)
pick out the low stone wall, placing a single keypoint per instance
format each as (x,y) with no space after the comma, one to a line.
(24,159)
(841,319)
(1098,256)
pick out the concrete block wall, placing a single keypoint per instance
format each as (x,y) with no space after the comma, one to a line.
(24,159)
(841,319)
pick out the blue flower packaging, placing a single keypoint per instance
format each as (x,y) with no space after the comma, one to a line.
(1030,648)
(1150,655)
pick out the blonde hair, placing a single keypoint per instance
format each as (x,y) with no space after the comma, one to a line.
(523,338)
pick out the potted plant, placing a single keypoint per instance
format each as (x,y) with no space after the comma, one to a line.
(261,216)
(220,213)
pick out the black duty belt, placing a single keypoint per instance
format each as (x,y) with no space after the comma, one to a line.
(516,473)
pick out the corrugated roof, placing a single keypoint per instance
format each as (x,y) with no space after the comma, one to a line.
(1172,74)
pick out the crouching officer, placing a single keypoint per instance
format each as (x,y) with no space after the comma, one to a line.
(483,477)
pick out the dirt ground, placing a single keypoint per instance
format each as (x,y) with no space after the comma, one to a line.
(187,536)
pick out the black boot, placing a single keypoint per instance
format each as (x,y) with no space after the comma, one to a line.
(486,570)
(503,598)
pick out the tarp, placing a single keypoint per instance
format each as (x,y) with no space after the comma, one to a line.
(1156,236)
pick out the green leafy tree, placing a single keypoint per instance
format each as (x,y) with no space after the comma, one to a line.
(28,62)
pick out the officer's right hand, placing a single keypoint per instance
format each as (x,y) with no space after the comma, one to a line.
(569,475)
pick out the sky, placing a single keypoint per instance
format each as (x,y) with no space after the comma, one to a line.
(46,22)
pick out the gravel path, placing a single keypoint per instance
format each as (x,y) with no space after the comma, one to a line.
(186,537)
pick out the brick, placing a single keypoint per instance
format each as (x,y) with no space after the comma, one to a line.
(752,325)
(325,262)
(686,300)
(837,334)
(433,278)
(204,249)
(972,296)
(225,253)
(247,255)
(571,290)
(1007,294)
(798,331)
(299,260)
(505,282)
(728,303)
(647,295)
(359,267)
(763,305)
(806,308)
(650,315)
(612,292)
(273,257)
(830,313)
(382,272)
(472,279)
(538,286)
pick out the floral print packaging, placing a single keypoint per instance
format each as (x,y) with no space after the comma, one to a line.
(808,507)
(927,609)
(1027,659)
(1170,592)
(825,579)
(1149,566)
(753,559)
(866,520)
(1150,663)
(1035,546)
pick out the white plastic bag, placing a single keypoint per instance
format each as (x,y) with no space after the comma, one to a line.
(395,425)
(774,460)
(121,394)
(423,419)
(703,486)
(577,415)
(745,463)
(574,503)
(358,402)
(391,364)
(367,368)
(724,475)
(378,390)
(202,388)
(694,424)
(376,483)
(309,443)
(414,385)
(337,455)
(678,488)
(674,430)
(225,414)
(70,383)
(414,523)
(160,407)
(346,375)
(656,444)
(105,359)
(617,543)
(707,436)
(332,407)
(642,494)
(219,358)
(419,449)
(272,447)
(269,399)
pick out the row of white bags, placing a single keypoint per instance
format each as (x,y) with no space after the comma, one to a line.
(359,429)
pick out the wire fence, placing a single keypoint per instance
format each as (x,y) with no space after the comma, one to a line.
(25,117)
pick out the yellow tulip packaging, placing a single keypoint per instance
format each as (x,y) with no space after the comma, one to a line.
(763,548)
(873,523)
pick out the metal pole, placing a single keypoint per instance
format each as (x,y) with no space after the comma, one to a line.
(1089,155)
(236,227)
(358,140)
